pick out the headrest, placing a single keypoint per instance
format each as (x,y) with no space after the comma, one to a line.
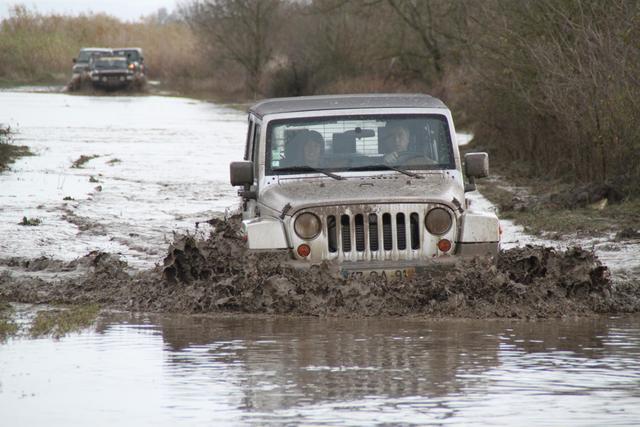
(344,143)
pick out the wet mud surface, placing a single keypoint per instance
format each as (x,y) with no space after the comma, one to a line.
(218,275)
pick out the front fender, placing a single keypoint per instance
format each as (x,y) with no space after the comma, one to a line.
(479,227)
(265,233)
(479,235)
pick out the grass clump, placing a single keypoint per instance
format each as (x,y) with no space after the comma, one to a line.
(8,151)
(30,222)
(539,219)
(59,322)
(80,161)
(8,326)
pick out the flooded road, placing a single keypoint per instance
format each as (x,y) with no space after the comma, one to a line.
(161,370)
(161,166)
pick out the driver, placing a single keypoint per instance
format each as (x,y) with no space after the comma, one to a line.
(397,139)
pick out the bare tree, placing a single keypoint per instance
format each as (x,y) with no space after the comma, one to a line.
(435,25)
(243,31)
(554,87)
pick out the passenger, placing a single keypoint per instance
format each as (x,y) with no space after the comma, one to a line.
(397,140)
(313,149)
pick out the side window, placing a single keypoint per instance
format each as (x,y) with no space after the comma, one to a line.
(248,147)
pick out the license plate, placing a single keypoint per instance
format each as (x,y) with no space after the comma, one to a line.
(401,273)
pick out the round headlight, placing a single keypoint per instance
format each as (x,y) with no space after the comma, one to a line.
(438,221)
(307,226)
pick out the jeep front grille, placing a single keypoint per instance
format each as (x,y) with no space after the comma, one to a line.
(373,235)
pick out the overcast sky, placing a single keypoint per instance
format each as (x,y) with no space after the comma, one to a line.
(129,10)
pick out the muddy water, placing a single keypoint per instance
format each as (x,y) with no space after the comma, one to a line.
(160,370)
(162,165)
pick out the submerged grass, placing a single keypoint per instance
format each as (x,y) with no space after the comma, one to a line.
(59,322)
(8,326)
(540,220)
(80,161)
(8,151)
(30,222)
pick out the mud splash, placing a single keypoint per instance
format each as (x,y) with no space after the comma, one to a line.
(219,275)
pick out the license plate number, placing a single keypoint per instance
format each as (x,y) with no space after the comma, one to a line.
(403,273)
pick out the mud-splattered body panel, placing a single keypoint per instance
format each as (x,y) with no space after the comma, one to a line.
(360,205)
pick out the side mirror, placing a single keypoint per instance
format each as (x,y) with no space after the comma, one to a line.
(241,173)
(73,60)
(476,165)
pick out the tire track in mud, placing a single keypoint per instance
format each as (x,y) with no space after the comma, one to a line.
(218,274)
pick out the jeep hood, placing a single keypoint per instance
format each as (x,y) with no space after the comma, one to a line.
(305,193)
(110,71)
(80,67)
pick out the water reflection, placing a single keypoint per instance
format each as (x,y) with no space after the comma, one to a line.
(281,363)
(284,361)
(266,370)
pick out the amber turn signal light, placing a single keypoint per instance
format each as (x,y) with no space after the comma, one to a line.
(304,250)
(444,245)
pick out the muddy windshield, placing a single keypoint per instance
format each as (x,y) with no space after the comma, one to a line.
(359,143)
(109,63)
(86,55)
(131,55)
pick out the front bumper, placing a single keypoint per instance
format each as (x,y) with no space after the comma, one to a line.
(111,82)
(402,269)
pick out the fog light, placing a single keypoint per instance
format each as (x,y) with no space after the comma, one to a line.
(444,245)
(304,250)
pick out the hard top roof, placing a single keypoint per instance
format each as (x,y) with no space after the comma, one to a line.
(137,49)
(344,102)
(96,49)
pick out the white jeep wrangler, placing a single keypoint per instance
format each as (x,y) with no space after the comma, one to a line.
(372,184)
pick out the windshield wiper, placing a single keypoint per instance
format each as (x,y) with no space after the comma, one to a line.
(388,167)
(309,169)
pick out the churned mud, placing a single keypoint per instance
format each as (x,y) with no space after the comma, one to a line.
(217,274)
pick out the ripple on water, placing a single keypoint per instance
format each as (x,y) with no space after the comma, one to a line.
(248,370)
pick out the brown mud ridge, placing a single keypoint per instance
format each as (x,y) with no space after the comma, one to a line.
(218,275)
